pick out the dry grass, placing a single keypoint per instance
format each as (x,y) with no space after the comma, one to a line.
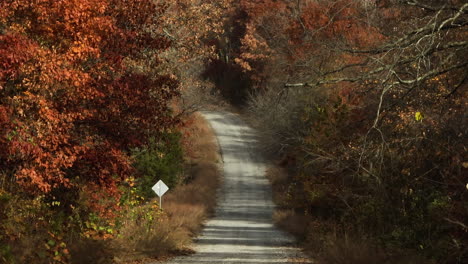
(353,250)
(278,178)
(165,236)
(186,207)
(292,222)
(200,141)
(285,217)
(350,251)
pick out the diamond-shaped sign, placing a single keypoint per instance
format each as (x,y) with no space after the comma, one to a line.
(160,188)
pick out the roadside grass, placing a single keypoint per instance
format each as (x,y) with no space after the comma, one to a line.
(188,205)
(320,239)
(148,233)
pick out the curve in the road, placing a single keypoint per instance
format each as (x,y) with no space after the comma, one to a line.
(242,229)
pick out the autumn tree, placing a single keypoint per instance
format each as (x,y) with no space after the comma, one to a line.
(194,27)
(79,87)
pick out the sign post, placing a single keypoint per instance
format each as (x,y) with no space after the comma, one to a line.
(160,188)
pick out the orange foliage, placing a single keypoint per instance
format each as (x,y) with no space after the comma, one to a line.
(71,100)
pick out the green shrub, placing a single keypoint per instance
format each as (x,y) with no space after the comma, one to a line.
(161,159)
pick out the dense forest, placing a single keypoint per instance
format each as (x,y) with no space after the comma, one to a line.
(362,102)
(366,103)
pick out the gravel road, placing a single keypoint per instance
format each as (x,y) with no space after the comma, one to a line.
(242,229)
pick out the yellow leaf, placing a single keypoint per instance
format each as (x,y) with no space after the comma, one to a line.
(418,116)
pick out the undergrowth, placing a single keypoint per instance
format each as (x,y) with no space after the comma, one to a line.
(328,241)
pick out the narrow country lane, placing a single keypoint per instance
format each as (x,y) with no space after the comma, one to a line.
(242,230)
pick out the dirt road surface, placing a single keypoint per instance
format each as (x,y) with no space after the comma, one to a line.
(242,229)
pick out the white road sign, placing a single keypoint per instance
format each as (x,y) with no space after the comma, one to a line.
(160,188)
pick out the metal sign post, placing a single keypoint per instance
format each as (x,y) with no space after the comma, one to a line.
(160,188)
